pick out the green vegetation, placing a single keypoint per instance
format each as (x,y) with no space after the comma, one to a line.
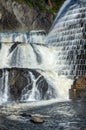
(28,2)
(57,5)
(42,4)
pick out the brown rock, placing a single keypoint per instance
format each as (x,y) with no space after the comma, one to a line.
(78,89)
(80,83)
(37,120)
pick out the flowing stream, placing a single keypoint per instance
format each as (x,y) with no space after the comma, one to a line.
(4,87)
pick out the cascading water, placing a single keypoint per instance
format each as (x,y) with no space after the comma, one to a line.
(60,83)
(62,56)
(68,35)
(12,37)
(4,87)
(24,56)
(33,94)
(36,36)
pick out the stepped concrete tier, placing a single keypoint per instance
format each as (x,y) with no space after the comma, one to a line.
(37,36)
(23,55)
(68,34)
(34,36)
(13,37)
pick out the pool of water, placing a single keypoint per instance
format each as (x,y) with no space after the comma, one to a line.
(68,115)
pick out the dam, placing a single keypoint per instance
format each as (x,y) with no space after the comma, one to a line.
(61,58)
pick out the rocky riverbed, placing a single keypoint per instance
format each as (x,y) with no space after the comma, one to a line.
(48,115)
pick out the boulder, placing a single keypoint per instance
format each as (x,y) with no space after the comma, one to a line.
(78,89)
(36,120)
(17,82)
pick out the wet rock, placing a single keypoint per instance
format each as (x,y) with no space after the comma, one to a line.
(17,82)
(0,73)
(78,89)
(14,46)
(21,82)
(25,115)
(2,129)
(80,83)
(37,120)
(0,45)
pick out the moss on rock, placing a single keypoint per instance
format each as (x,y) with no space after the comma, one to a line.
(43,4)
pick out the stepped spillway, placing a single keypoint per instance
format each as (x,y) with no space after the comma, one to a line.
(61,58)
(68,34)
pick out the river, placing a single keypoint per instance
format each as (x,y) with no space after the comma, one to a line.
(68,115)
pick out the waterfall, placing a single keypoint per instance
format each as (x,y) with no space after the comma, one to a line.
(36,36)
(13,37)
(68,35)
(4,87)
(26,56)
(33,94)
(59,57)
(4,51)
(60,83)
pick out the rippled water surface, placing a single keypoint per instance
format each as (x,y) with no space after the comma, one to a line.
(57,116)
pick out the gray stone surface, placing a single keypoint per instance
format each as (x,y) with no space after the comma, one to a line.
(16,16)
